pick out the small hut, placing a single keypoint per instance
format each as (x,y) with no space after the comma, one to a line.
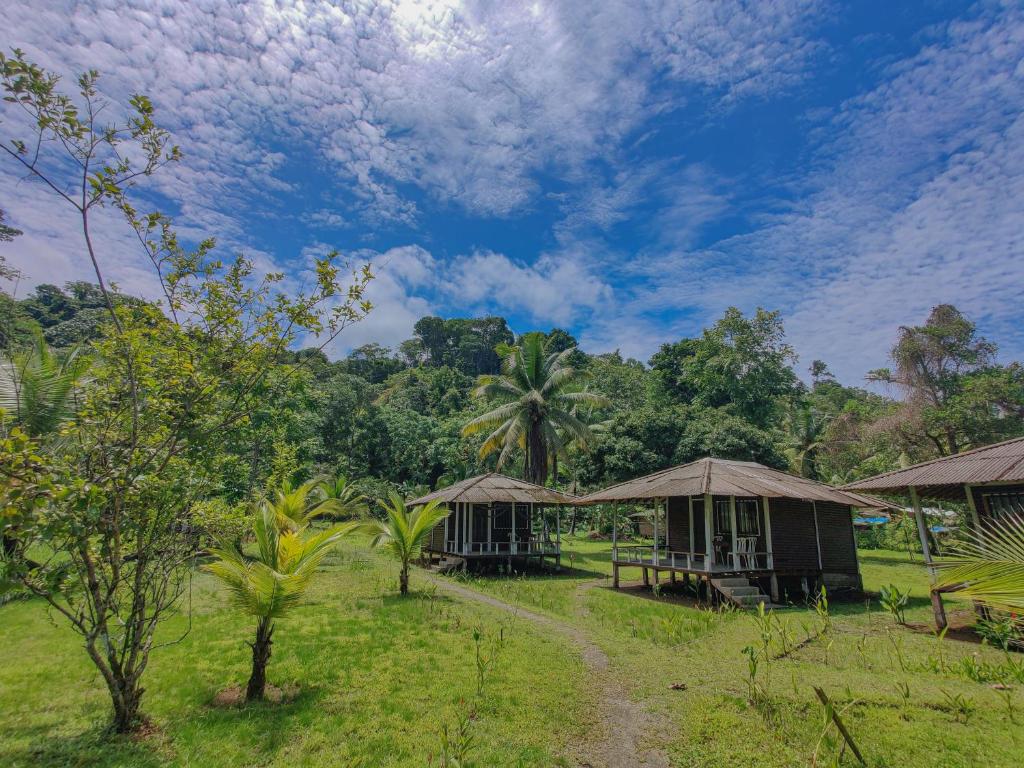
(493,517)
(990,480)
(742,529)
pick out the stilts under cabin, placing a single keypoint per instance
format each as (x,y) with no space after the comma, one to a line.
(495,520)
(745,532)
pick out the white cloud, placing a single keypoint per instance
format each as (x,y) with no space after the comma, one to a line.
(915,197)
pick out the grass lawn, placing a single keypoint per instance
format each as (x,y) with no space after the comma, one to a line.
(913,699)
(379,676)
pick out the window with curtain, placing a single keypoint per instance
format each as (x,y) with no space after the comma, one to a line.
(748,522)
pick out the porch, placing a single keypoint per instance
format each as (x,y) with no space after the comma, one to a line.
(498,530)
(743,560)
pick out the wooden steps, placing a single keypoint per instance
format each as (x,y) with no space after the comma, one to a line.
(739,591)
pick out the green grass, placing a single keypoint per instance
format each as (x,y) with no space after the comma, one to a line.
(862,662)
(379,676)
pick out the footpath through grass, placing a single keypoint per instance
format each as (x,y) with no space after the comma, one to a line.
(908,697)
(378,677)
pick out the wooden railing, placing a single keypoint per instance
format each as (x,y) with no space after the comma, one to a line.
(502,547)
(691,561)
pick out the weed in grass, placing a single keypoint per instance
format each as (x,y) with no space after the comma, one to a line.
(456,743)
(834,738)
(1013,669)
(784,632)
(765,628)
(903,689)
(862,651)
(895,601)
(897,645)
(961,706)
(1000,632)
(1005,692)
(821,609)
(757,693)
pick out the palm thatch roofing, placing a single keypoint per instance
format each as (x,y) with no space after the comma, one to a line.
(723,477)
(945,478)
(494,487)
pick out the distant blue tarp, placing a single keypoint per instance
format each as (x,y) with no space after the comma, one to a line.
(870,520)
(941,529)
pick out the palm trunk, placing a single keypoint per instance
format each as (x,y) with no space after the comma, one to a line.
(403,579)
(260,658)
(537,466)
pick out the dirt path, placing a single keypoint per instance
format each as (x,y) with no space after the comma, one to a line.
(627,723)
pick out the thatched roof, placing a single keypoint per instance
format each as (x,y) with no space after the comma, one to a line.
(945,477)
(493,487)
(722,477)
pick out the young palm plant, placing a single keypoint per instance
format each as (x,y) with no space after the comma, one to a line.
(38,386)
(403,532)
(989,566)
(297,507)
(537,395)
(273,582)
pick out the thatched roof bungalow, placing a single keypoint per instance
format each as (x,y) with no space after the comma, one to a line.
(742,528)
(495,517)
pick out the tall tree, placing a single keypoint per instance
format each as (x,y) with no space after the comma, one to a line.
(954,394)
(168,388)
(741,363)
(536,392)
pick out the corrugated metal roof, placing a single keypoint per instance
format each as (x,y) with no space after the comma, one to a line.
(999,463)
(494,487)
(722,477)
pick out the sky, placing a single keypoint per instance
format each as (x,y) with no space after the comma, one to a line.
(623,170)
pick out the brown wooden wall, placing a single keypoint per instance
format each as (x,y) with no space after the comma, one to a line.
(679,524)
(793,541)
(838,544)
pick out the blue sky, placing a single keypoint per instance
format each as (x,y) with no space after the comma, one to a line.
(624,170)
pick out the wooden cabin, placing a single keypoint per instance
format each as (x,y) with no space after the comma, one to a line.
(742,529)
(497,519)
(989,480)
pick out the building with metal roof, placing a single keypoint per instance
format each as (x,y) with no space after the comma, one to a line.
(743,529)
(496,518)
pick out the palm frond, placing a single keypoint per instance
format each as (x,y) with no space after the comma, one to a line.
(989,567)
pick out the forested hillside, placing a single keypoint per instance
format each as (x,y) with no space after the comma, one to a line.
(393,418)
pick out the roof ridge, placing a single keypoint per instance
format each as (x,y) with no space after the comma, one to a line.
(938,460)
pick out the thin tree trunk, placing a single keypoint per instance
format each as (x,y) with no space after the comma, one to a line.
(403,579)
(260,658)
(125,693)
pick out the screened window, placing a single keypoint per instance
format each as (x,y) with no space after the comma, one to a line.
(502,517)
(723,518)
(748,522)
(1004,504)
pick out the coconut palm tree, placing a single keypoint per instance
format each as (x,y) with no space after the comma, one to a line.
(536,393)
(806,437)
(403,531)
(37,391)
(343,498)
(989,566)
(273,582)
(296,507)
(38,387)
